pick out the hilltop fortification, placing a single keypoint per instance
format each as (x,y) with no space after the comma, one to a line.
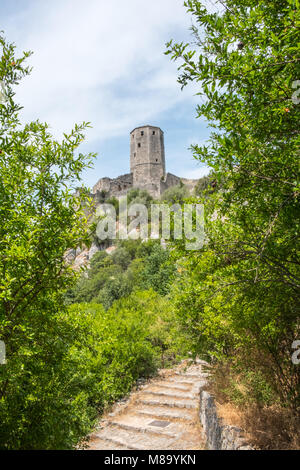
(147,167)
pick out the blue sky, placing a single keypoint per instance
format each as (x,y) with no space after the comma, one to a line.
(103,61)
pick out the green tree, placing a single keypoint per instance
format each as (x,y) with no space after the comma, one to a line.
(158,270)
(121,257)
(41,219)
(246,61)
(175,194)
(139,196)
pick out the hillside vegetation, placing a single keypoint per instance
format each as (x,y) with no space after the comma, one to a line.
(77,342)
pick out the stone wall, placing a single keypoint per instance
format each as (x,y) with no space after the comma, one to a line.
(147,166)
(173,180)
(189,183)
(170,180)
(218,435)
(114,186)
(149,180)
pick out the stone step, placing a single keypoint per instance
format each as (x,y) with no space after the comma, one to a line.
(193,383)
(115,443)
(162,393)
(199,367)
(134,440)
(166,413)
(189,375)
(143,424)
(101,444)
(164,401)
(174,385)
(194,373)
(161,415)
(183,379)
(202,362)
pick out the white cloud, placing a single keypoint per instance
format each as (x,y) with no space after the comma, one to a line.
(99,61)
(195,173)
(103,61)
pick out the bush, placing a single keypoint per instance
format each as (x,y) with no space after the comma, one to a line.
(175,194)
(139,196)
(91,359)
(158,270)
(239,298)
(133,266)
(41,402)
(121,257)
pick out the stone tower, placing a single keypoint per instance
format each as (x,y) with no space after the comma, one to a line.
(147,159)
(147,168)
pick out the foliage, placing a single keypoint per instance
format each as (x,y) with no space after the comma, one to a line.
(139,196)
(116,347)
(239,299)
(121,257)
(114,202)
(235,302)
(132,266)
(175,194)
(202,185)
(41,219)
(94,359)
(158,270)
(117,350)
(208,185)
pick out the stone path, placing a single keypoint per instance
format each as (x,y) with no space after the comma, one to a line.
(163,414)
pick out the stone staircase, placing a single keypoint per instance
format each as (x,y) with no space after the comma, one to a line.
(161,415)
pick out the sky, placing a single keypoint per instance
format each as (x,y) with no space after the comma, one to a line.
(103,61)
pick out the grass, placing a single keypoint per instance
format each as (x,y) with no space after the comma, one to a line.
(267,424)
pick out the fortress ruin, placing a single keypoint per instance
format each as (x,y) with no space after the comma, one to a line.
(147,167)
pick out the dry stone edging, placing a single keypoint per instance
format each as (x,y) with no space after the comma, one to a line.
(219,436)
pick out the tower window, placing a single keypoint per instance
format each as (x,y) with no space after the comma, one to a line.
(134,155)
(153,133)
(133,136)
(156,160)
(139,144)
(142,133)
